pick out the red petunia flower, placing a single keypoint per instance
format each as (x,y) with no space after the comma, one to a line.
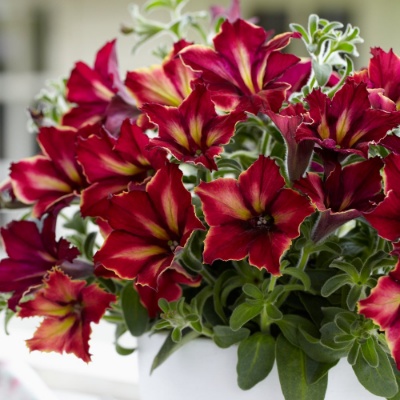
(356,186)
(98,93)
(31,254)
(150,227)
(54,177)
(392,172)
(111,165)
(168,83)
(347,123)
(385,218)
(383,73)
(169,288)
(344,194)
(68,308)
(383,307)
(298,154)
(243,71)
(254,215)
(193,132)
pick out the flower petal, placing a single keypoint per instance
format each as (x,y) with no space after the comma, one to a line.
(222,201)
(260,183)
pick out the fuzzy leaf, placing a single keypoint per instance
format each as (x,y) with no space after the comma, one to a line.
(379,381)
(322,72)
(256,356)
(135,315)
(292,370)
(252,291)
(300,275)
(244,313)
(169,347)
(368,350)
(225,337)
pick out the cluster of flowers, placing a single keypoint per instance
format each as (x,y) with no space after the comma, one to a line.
(123,151)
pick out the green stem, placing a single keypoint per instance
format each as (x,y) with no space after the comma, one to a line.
(203,174)
(380,244)
(265,143)
(207,332)
(264,321)
(208,277)
(272,283)
(304,254)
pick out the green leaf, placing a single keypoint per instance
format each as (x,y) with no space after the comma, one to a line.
(292,370)
(379,381)
(88,245)
(123,351)
(335,283)
(301,30)
(176,335)
(317,370)
(218,287)
(169,347)
(252,291)
(354,353)
(312,24)
(225,337)
(9,314)
(353,296)
(322,72)
(334,25)
(397,375)
(273,312)
(256,356)
(290,325)
(244,313)
(368,350)
(230,164)
(135,315)
(300,275)
(317,351)
(76,223)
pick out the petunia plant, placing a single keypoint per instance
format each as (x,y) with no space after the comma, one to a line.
(233,191)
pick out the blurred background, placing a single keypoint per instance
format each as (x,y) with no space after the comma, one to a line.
(41,40)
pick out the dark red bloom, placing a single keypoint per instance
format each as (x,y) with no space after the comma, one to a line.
(383,307)
(68,308)
(98,93)
(150,227)
(298,154)
(254,215)
(168,83)
(357,186)
(31,254)
(385,218)
(54,177)
(347,123)
(243,71)
(344,194)
(169,288)
(111,165)
(193,132)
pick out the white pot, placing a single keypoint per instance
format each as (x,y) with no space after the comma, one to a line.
(202,371)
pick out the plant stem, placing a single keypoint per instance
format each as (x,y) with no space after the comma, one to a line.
(208,277)
(265,143)
(207,332)
(203,174)
(304,254)
(272,283)
(264,321)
